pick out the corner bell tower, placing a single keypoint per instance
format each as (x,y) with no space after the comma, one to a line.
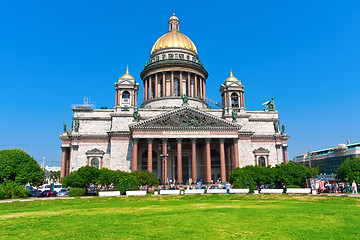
(126,90)
(232,95)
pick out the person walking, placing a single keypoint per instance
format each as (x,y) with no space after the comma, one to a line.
(354,187)
(227,185)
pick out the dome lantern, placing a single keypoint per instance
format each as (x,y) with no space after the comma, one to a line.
(173,23)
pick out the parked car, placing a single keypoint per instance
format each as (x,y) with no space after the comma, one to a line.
(63,193)
(32,193)
(57,187)
(214,187)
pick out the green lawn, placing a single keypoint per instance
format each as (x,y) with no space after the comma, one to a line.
(184,217)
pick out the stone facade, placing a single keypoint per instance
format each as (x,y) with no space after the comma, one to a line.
(174,133)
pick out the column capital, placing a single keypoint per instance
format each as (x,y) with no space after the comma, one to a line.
(207,140)
(221,140)
(193,140)
(235,140)
(164,140)
(150,140)
(179,140)
(135,140)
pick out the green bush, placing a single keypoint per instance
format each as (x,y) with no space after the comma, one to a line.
(293,186)
(12,190)
(126,182)
(76,192)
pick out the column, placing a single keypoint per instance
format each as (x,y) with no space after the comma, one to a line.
(88,161)
(145,89)
(225,99)
(116,97)
(172,84)
(181,84)
(179,160)
(204,89)
(232,157)
(208,160)
(285,154)
(195,87)
(150,160)
(256,162)
(200,87)
(164,161)
(242,99)
(236,153)
(101,162)
(63,162)
(189,85)
(132,97)
(267,160)
(222,160)
(135,154)
(163,85)
(228,161)
(156,85)
(193,159)
(150,89)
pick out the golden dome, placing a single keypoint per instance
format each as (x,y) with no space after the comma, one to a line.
(231,78)
(127,75)
(174,39)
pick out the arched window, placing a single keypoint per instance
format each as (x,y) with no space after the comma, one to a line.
(261,161)
(95,162)
(176,87)
(234,100)
(126,95)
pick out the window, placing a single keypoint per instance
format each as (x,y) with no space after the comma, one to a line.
(234,100)
(95,163)
(126,95)
(188,57)
(157,58)
(161,88)
(163,57)
(261,161)
(171,56)
(176,87)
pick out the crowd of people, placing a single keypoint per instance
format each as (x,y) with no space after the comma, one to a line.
(325,186)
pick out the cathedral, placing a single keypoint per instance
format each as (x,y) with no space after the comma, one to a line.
(174,133)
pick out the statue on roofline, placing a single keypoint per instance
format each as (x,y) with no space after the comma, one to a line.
(135,115)
(234,115)
(283,128)
(65,130)
(276,127)
(185,98)
(270,106)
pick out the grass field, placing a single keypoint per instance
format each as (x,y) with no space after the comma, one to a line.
(184,217)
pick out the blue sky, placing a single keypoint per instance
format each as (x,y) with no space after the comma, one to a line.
(305,54)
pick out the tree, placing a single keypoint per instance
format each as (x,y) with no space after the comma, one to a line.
(146,178)
(349,170)
(292,173)
(82,178)
(106,177)
(242,178)
(126,182)
(19,167)
(55,175)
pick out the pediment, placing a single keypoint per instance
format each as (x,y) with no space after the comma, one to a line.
(126,82)
(186,118)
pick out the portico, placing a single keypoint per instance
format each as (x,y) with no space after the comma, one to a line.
(185,144)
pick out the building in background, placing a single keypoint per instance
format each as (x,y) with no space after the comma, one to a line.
(174,133)
(329,159)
